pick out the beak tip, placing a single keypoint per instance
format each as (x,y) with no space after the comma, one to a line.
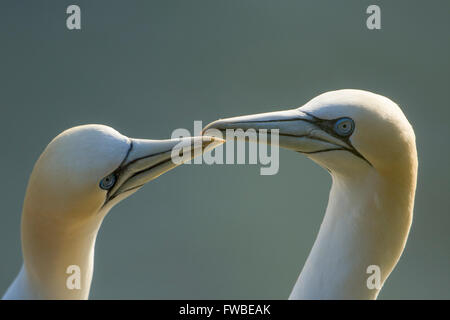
(210,142)
(212,125)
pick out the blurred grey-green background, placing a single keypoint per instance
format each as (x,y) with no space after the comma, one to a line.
(148,67)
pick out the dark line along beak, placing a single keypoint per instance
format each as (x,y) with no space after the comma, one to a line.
(148,159)
(297,130)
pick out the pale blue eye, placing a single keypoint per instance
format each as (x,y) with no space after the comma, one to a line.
(108,182)
(344,127)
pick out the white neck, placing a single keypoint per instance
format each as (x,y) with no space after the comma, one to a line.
(48,252)
(366,223)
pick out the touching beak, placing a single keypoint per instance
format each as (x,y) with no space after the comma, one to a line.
(297,130)
(148,159)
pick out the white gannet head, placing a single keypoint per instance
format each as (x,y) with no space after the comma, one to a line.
(342,130)
(87,169)
(367,144)
(79,176)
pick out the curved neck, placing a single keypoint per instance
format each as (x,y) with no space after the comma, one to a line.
(58,258)
(366,224)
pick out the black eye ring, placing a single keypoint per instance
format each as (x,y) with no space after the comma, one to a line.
(344,127)
(108,182)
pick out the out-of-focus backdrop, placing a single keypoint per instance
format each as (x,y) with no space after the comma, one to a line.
(148,67)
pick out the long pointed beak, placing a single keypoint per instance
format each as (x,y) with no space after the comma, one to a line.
(148,159)
(297,130)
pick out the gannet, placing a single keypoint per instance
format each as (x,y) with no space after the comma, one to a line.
(78,178)
(366,143)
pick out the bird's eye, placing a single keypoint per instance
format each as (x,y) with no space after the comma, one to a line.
(344,127)
(108,182)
